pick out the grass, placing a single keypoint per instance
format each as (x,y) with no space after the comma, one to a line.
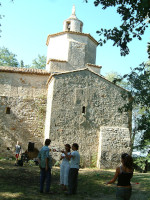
(22,183)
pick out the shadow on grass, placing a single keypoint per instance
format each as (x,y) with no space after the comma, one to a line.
(22,183)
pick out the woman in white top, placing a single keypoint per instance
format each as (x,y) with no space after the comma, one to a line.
(64,167)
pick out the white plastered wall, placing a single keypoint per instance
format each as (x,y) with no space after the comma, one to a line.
(78,50)
(99,150)
(49,108)
(57,48)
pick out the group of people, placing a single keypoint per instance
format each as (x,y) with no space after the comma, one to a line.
(68,170)
(70,166)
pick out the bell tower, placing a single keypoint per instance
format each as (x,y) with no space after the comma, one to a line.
(71,49)
(73,23)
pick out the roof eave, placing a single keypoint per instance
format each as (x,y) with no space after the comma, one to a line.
(70,32)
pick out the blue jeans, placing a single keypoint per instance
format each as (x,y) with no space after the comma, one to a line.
(123,193)
(45,175)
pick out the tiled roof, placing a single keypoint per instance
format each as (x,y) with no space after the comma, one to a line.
(70,32)
(55,60)
(67,72)
(92,65)
(23,70)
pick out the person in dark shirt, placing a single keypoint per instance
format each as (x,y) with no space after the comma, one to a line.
(124,174)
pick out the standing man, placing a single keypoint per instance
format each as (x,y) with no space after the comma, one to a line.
(74,168)
(45,163)
(18,151)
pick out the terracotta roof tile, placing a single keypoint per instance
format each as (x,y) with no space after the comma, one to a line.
(70,32)
(67,72)
(55,60)
(92,65)
(23,70)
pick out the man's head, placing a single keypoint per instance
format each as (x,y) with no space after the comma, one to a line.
(75,147)
(47,142)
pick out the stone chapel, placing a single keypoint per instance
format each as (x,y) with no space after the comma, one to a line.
(70,101)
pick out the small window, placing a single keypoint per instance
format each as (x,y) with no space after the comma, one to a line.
(83,109)
(7,110)
(68,26)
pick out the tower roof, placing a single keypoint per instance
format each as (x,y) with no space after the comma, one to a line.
(82,70)
(70,32)
(73,14)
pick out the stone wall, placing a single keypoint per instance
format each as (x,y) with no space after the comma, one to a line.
(76,54)
(90,53)
(59,66)
(113,141)
(23,99)
(82,50)
(82,107)
(83,102)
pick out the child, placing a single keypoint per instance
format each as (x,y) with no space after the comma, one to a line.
(45,163)
(18,151)
(64,168)
(74,168)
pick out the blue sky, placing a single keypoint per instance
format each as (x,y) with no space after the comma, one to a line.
(27,24)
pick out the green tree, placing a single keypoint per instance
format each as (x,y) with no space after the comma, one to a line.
(111,76)
(115,77)
(7,58)
(1,16)
(22,64)
(135,15)
(141,163)
(39,63)
(139,81)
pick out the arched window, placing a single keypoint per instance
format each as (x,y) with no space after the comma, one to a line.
(81,28)
(68,26)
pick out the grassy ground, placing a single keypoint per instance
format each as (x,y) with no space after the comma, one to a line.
(22,183)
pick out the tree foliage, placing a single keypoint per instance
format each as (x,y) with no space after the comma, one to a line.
(139,81)
(22,64)
(135,15)
(7,58)
(111,76)
(39,62)
(1,16)
(142,163)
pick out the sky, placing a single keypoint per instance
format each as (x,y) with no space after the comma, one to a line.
(27,23)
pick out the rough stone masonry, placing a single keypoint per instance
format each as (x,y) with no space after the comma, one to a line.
(67,102)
